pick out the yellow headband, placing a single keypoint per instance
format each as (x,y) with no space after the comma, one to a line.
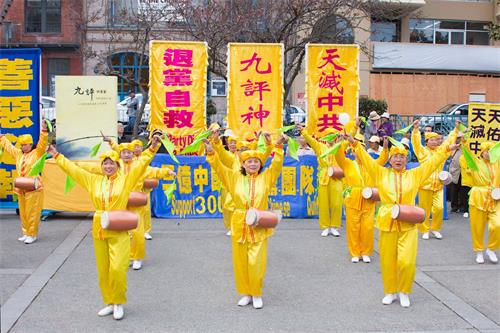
(136,142)
(126,146)
(485,146)
(243,144)
(397,150)
(25,139)
(245,155)
(350,127)
(430,135)
(111,154)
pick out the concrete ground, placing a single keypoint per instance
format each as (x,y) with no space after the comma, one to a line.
(186,284)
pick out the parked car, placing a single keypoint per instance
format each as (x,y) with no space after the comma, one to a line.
(297,115)
(121,109)
(48,107)
(445,118)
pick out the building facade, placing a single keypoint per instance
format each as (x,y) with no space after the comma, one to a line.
(54,26)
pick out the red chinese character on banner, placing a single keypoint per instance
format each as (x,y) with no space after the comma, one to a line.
(260,115)
(252,87)
(178,118)
(178,57)
(327,121)
(331,55)
(177,98)
(177,77)
(331,81)
(330,101)
(256,59)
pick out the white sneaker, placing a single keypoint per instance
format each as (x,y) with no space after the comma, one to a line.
(366,259)
(388,299)
(437,234)
(354,259)
(257,302)
(479,258)
(148,236)
(29,240)
(466,215)
(22,239)
(106,311)
(325,232)
(118,311)
(245,300)
(335,232)
(492,256)
(404,300)
(228,233)
(425,235)
(136,264)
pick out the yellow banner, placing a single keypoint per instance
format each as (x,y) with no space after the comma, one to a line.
(484,122)
(255,95)
(177,86)
(332,86)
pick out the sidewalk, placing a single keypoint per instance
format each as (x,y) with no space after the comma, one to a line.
(186,284)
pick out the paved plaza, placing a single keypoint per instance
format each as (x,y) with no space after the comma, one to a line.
(186,284)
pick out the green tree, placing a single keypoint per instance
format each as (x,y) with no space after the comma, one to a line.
(367,104)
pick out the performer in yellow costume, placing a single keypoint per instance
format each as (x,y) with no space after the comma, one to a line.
(397,239)
(249,187)
(430,195)
(359,211)
(484,210)
(30,202)
(108,192)
(329,189)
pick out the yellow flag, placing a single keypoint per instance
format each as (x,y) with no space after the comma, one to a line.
(255,95)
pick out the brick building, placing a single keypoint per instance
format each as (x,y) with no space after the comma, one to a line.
(51,25)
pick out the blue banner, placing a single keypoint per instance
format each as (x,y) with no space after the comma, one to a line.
(19,105)
(197,189)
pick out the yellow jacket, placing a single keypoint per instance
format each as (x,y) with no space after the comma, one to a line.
(398,187)
(323,163)
(424,153)
(106,193)
(248,191)
(466,173)
(24,162)
(483,182)
(356,177)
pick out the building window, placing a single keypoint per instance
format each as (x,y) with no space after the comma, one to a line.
(333,29)
(43,16)
(55,67)
(385,31)
(449,32)
(131,70)
(219,87)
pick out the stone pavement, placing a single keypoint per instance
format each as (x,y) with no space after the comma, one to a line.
(186,284)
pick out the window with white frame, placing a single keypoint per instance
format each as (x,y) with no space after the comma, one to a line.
(218,87)
(449,32)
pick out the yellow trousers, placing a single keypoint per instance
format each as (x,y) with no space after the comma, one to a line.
(227,213)
(398,259)
(478,221)
(330,204)
(431,202)
(30,209)
(147,217)
(359,230)
(137,241)
(249,264)
(112,264)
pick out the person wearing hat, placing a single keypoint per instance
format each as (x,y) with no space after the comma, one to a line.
(249,187)
(374,144)
(484,209)
(109,191)
(30,202)
(372,125)
(329,189)
(398,239)
(386,128)
(430,195)
(359,211)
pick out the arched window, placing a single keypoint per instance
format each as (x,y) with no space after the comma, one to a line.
(129,64)
(333,29)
